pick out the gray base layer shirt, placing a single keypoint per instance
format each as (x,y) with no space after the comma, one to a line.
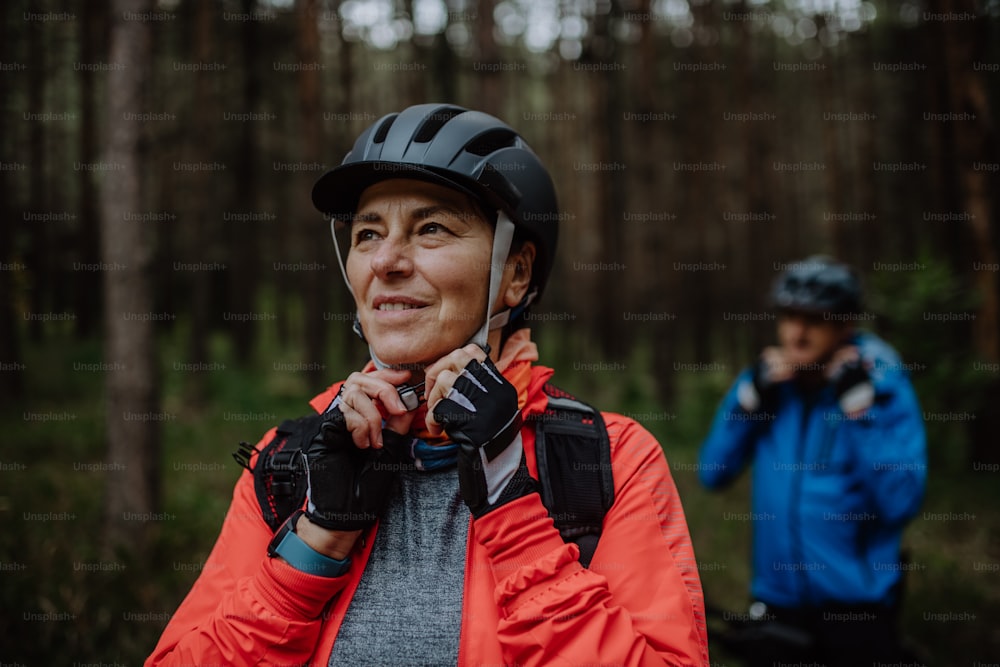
(407,609)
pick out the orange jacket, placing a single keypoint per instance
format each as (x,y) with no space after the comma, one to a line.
(527,599)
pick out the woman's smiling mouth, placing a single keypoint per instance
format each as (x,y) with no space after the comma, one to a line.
(397,306)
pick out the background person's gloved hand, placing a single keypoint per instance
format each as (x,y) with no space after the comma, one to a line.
(851,381)
(349,487)
(758,393)
(481,416)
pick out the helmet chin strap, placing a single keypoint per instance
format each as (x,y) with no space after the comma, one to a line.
(503,234)
(343,272)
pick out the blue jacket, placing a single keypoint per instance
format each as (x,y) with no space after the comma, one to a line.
(830,495)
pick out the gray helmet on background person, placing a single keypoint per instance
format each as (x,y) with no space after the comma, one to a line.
(817,285)
(469,151)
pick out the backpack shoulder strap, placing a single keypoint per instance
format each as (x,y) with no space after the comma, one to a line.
(573,452)
(279,478)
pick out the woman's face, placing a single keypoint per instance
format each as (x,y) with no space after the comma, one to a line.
(418,264)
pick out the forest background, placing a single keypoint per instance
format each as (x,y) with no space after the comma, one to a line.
(168,290)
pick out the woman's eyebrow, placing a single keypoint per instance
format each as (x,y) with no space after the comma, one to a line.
(422,213)
(366,217)
(429,211)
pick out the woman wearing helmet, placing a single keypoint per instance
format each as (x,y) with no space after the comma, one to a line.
(422,538)
(831,425)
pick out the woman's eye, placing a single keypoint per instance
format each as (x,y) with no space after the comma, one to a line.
(362,235)
(433,228)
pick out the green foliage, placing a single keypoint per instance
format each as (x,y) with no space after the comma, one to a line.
(944,369)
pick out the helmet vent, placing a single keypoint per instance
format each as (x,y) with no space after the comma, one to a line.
(491,142)
(383,130)
(434,122)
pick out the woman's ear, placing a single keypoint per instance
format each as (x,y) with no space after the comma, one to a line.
(518,268)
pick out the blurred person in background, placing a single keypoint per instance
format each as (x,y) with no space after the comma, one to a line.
(422,537)
(832,429)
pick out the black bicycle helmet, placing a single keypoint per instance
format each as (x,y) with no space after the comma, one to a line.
(818,284)
(470,151)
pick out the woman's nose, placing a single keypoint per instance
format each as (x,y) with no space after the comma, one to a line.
(393,257)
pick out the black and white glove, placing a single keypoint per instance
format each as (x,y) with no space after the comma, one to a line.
(349,487)
(758,391)
(853,387)
(481,416)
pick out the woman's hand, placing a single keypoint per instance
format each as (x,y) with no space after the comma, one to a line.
(349,475)
(366,399)
(477,407)
(440,378)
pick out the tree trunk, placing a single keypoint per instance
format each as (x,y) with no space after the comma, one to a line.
(975,142)
(698,287)
(37,253)
(12,379)
(350,348)
(415,83)
(869,227)
(932,91)
(447,65)
(645,93)
(607,182)
(132,426)
(834,231)
(489,97)
(245,262)
(87,284)
(201,228)
(311,225)
(754,233)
